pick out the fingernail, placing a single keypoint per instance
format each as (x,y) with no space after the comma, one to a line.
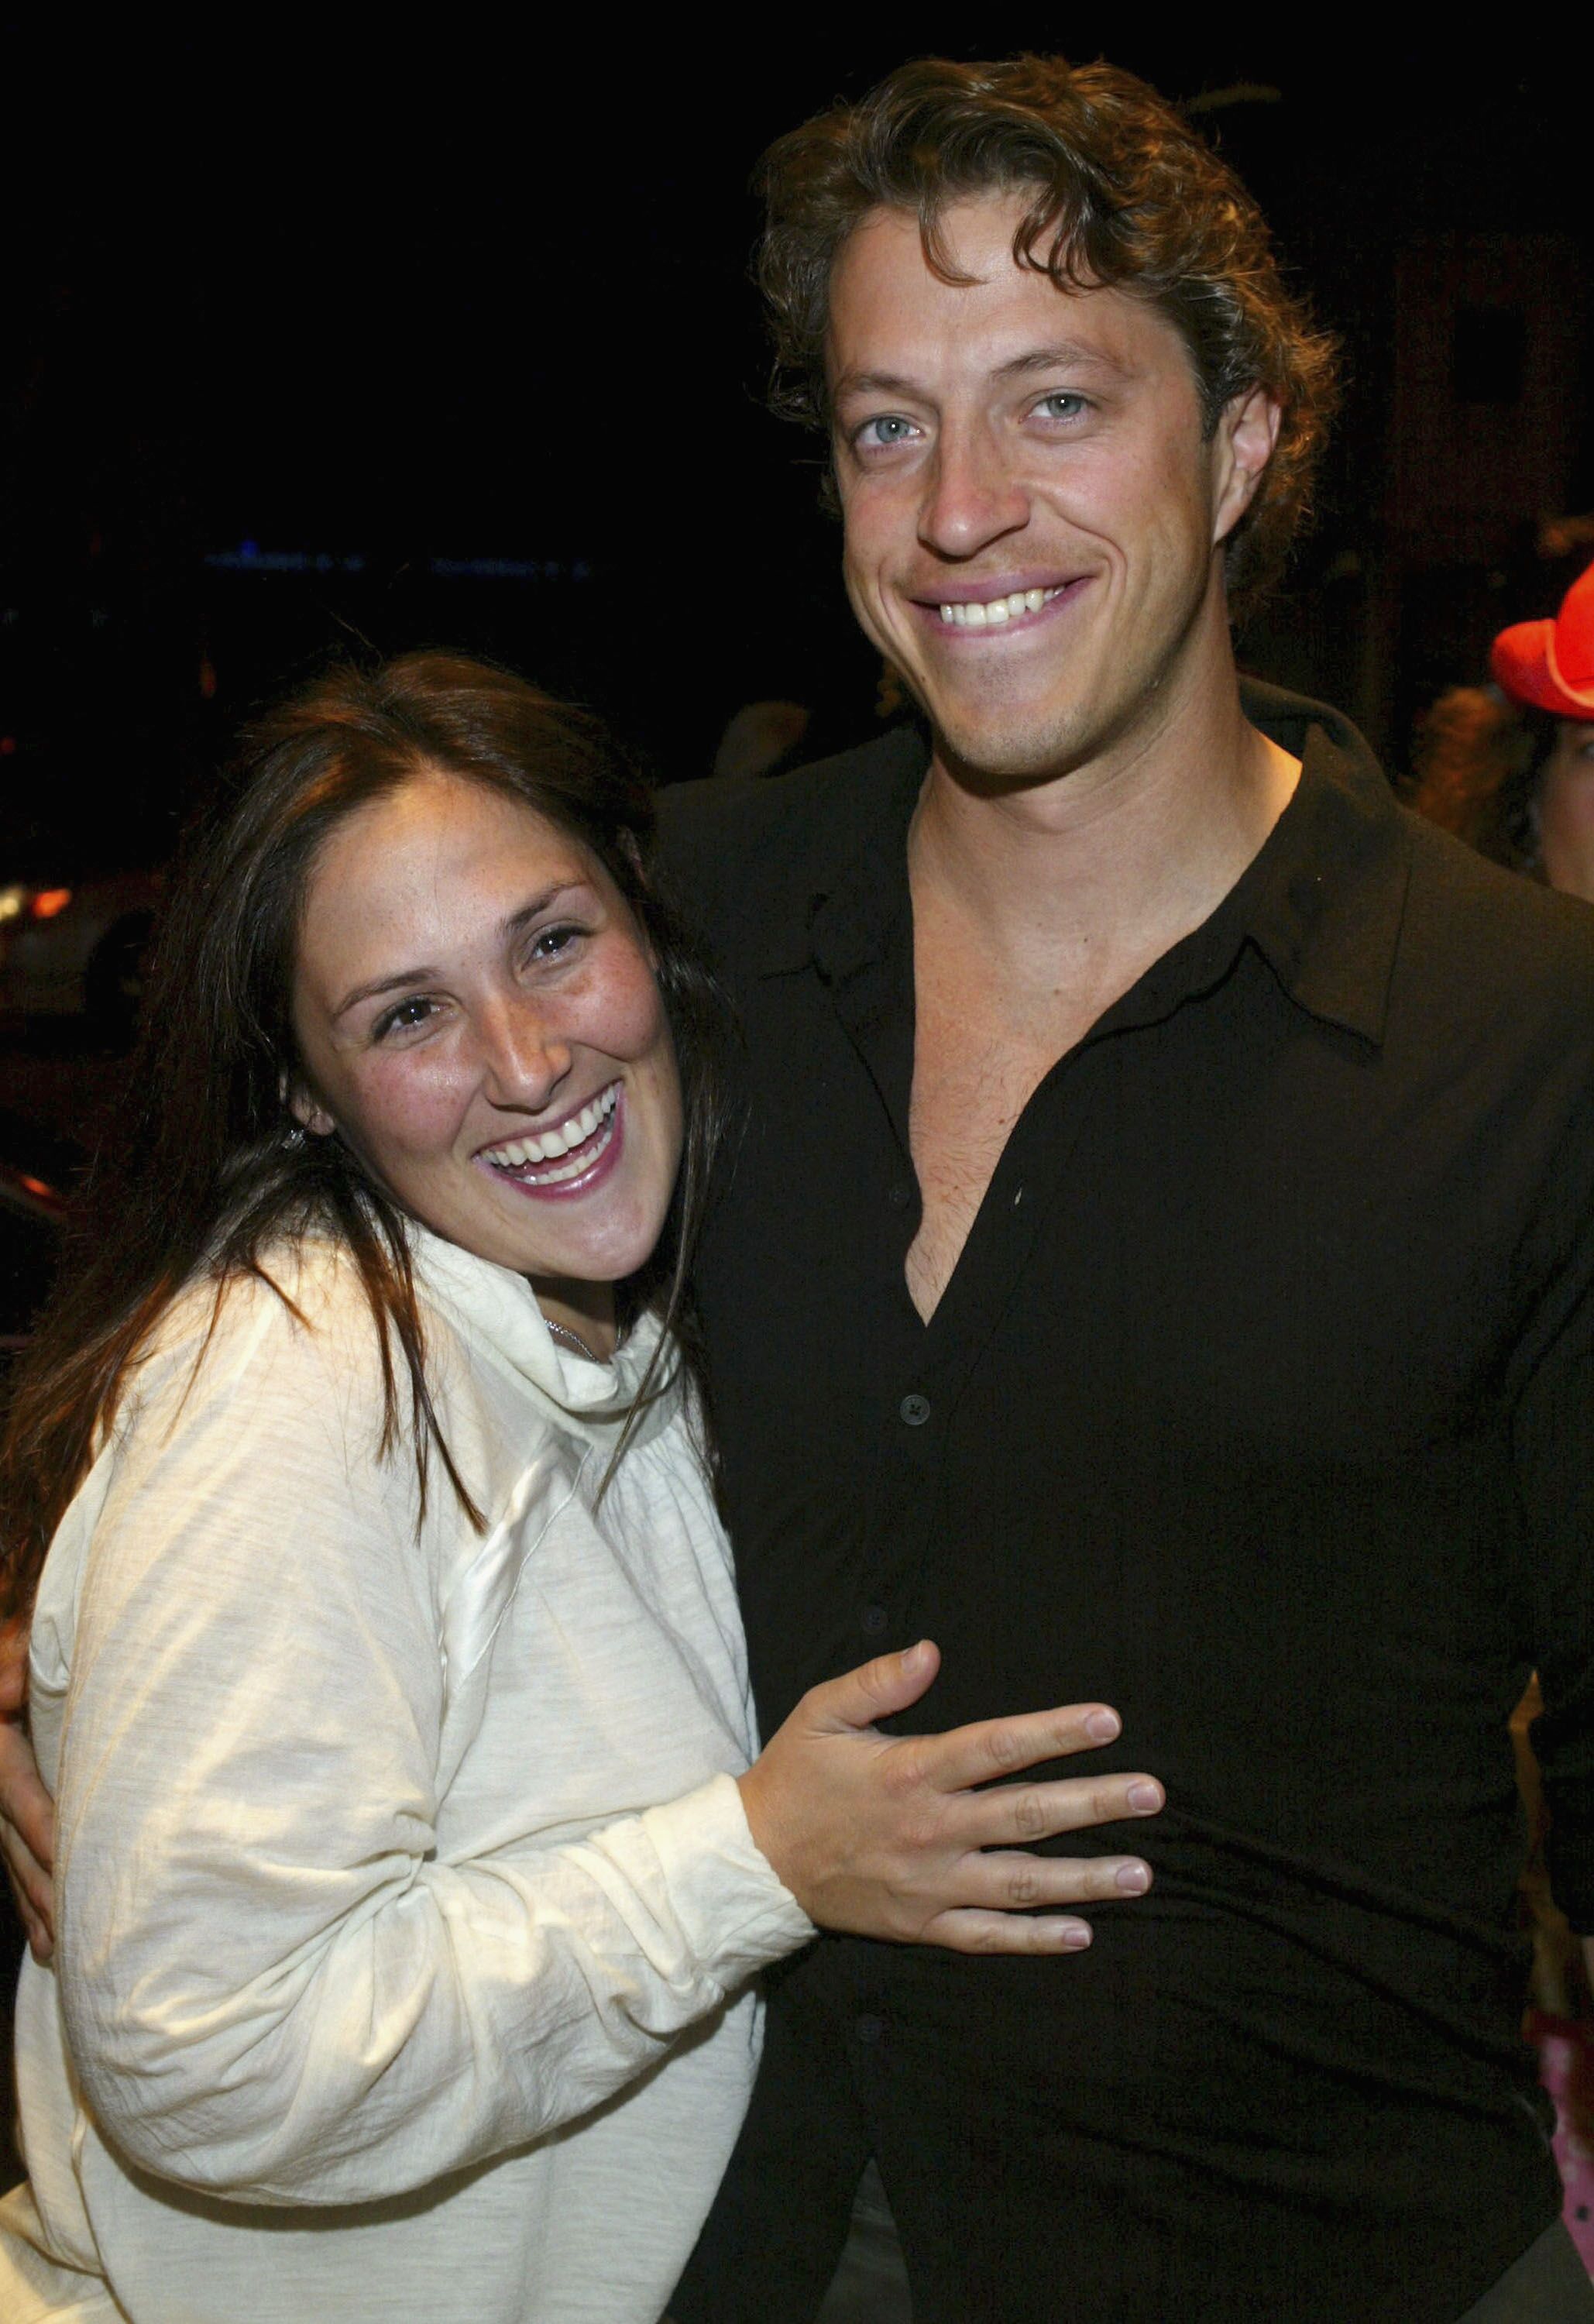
(912,1656)
(1134,1879)
(1102,1726)
(1076,1937)
(1143,1798)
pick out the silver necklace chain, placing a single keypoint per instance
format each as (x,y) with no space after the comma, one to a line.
(571,1339)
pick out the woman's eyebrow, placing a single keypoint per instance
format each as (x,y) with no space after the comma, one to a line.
(378,984)
(424,974)
(528,912)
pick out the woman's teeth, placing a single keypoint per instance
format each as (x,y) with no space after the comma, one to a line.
(582,1138)
(997,610)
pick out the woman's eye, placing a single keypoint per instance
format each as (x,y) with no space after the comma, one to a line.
(550,944)
(402,1017)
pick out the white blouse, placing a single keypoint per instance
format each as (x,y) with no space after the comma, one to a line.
(384,1990)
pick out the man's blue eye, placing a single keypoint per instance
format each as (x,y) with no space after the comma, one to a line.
(1051,403)
(888,429)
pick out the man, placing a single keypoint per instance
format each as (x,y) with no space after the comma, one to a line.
(1158,1266)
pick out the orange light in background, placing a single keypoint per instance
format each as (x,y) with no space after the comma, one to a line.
(49,901)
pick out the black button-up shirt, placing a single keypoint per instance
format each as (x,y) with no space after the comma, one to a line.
(1259,1405)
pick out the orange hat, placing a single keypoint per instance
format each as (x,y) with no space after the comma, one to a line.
(1550,664)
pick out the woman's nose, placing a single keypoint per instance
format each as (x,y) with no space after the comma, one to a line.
(524,1056)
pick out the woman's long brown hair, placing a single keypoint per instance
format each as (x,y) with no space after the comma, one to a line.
(206,1168)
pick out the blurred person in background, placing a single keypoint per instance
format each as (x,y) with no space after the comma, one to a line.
(761,738)
(1510,768)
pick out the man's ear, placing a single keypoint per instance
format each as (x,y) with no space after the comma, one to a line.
(308,1111)
(1246,436)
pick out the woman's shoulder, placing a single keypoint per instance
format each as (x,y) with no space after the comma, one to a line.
(302,1303)
(258,1405)
(295,1347)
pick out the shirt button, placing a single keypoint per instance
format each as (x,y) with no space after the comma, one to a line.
(899,1195)
(869,2028)
(874,1619)
(915,1410)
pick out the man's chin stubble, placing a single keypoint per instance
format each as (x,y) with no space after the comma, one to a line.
(998,760)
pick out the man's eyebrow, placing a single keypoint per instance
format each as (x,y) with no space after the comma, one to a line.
(1072,355)
(425,975)
(1058,354)
(872,383)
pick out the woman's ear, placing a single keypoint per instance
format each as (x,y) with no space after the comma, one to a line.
(308,1111)
(631,848)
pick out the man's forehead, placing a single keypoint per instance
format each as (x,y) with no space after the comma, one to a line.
(973,233)
(890,302)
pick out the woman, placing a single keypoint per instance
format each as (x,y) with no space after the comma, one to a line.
(385,1658)
(1512,772)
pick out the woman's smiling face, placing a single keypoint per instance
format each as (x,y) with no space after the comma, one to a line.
(478,1019)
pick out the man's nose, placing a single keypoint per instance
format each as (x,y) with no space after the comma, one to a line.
(972,498)
(525,1055)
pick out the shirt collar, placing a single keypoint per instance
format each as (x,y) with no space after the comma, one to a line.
(1324,899)
(1321,902)
(847,893)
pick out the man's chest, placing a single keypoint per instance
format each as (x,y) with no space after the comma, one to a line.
(970,1088)
(982,1050)
(1225,1284)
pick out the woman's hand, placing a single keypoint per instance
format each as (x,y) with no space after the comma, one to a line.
(27,1814)
(888,1835)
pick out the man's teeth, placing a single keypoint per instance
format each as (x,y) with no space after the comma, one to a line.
(997,610)
(517,1152)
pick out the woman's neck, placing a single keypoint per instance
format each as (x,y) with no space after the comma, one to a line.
(584,1310)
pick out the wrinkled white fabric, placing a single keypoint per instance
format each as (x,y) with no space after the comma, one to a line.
(383,1990)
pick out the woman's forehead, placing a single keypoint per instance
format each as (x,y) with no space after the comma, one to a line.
(439,827)
(439,862)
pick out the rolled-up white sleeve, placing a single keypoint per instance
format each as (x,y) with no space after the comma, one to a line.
(272,1988)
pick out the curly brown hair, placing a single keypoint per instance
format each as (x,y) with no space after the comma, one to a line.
(1126,196)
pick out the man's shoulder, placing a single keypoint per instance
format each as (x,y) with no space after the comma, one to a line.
(734,848)
(1505,940)
(1472,935)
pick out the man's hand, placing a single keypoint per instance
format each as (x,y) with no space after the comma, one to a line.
(27,1814)
(888,1836)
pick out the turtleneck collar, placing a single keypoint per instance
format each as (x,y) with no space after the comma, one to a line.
(495,1309)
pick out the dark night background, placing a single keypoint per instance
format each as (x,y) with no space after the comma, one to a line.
(394,316)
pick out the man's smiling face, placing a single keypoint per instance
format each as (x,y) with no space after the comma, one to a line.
(1032,507)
